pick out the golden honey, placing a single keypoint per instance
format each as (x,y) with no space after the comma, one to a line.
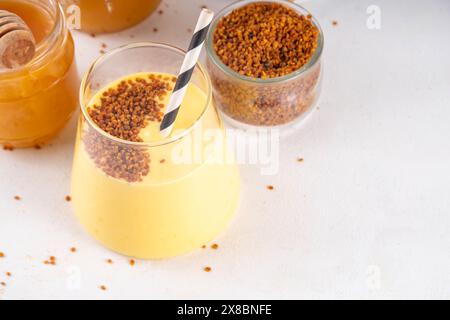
(38,99)
(99,16)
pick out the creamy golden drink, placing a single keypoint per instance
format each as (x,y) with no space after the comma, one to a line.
(143,195)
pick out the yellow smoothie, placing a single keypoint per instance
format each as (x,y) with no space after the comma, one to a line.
(184,200)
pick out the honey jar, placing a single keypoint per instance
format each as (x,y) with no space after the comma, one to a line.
(38,98)
(100,16)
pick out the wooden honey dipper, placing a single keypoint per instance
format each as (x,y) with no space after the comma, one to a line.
(17,43)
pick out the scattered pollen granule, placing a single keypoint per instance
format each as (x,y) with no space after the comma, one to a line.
(17,198)
(8,274)
(334,23)
(207,269)
(2,255)
(8,148)
(270,188)
(38,147)
(203,247)
(103,288)
(109,261)
(73,249)
(3,284)
(215,246)
(300,160)
(68,198)
(51,261)
(132,262)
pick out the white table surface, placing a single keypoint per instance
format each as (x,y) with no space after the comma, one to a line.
(367,215)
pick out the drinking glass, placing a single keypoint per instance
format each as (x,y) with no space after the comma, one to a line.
(157,199)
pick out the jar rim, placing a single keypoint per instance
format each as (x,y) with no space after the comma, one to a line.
(226,69)
(170,140)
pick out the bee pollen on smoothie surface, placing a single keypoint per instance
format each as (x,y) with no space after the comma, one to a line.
(123,110)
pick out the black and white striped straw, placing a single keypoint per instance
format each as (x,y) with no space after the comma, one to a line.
(187,69)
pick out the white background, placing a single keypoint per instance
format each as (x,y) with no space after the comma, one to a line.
(365,216)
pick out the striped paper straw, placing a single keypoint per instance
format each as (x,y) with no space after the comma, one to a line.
(187,69)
